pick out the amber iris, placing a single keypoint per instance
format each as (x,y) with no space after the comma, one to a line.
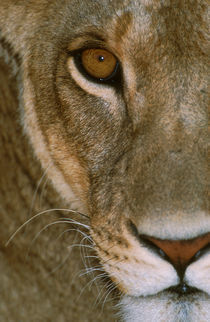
(98,63)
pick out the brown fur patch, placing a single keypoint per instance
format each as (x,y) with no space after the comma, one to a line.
(128,151)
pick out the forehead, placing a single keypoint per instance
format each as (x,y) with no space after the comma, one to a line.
(142,22)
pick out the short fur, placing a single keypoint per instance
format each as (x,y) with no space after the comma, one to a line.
(135,153)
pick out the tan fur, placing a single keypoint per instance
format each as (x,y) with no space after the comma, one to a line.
(134,154)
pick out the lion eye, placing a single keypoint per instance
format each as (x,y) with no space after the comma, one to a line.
(99,63)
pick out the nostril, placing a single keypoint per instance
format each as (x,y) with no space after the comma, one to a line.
(181,252)
(145,240)
(201,252)
(151,245)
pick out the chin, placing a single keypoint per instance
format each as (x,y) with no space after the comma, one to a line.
(166,306)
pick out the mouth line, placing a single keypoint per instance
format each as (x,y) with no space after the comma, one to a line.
(183,290)
(179,292)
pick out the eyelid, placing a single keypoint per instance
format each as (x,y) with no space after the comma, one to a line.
(88,44)
(87,40)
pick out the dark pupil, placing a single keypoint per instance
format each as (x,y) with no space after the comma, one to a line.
(101,58)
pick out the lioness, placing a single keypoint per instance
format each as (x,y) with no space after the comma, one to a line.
(110,98)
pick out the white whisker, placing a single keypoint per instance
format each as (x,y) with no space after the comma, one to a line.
(91,269)
(97,301)
(87,256)
(109,291)
(70,229)
(38,215)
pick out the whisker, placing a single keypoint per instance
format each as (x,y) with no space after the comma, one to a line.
(73,221)
(99,276)
(38,215)
(82,252)
(92,269)
(97,301)
(79,245)
(43,229)
(110,290)
(88,256)
(68,230)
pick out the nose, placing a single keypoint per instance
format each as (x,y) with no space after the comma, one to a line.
(181,252)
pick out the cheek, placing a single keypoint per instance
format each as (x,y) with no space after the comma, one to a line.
(90,127)
(57,158)
(66,159)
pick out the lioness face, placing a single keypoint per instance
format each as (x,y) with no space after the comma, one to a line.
(115,100)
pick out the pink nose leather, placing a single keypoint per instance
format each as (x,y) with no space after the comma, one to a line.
(180,252)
